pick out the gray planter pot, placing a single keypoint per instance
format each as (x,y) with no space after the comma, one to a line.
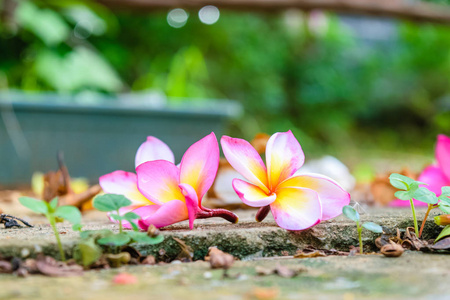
(98,136)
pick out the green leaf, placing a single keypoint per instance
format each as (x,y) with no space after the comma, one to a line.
(142,237)
(46,24)
(423,194)
(445,207)
(96,234)
(373,227)
(110,202)
(35,205)
(69,213)
(119,239)
(134,226)
(445,191)
(117,217)
(130,216)
(350,213)
(400,182)
(404,195)
(77,227)
(87,252)
(445,232)
(54,203)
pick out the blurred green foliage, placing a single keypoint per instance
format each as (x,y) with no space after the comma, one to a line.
(293,71)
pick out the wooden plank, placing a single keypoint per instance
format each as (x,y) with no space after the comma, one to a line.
(416,11)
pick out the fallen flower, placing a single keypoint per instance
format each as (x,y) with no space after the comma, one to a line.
(164,194)
(296,202)
(438,175)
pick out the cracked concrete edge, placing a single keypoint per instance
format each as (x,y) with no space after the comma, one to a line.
(243,242)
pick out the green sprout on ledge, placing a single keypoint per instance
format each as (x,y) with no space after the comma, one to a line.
(411,189)
(353,215)
(51,211)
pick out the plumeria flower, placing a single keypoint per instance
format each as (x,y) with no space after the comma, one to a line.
(296,202)
(125,183)
(437,175)
(164,194)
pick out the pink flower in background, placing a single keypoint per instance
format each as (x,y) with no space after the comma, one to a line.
(296,202)
(163,194)
(435,176)
(438,175)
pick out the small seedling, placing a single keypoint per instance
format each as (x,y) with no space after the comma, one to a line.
(353,215)
(96,242)
(112,203)
(411,189)
(51,211)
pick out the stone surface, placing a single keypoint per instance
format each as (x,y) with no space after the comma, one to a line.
(411,276)
(245,240)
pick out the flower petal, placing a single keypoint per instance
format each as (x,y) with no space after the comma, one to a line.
(443,154)
(160,216)
(435,178)
(296,208)
(158,180)
(191,202)
(123,183)
(332,196)
(244,159)
(284,156)
(200,163)
(251,194)
(153,149)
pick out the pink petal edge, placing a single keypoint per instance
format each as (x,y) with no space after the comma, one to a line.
(161,216)
(245,160)
(332,196)
(153,149)
(284,156)
(199,165)
(296,208)
(443,154)
(123,183)
(251,194)
(158,180)
(191,202)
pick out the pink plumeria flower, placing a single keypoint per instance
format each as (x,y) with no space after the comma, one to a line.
(296,202)
(435,176)
(163,194)
(125,183)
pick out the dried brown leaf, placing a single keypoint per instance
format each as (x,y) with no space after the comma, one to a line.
(443,244)
(186,252)
(392,250)
(49,266)
(219,259)
(286,272)
(261,271)
(309,254)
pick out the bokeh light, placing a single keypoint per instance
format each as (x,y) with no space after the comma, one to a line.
(209,14)
(177,17)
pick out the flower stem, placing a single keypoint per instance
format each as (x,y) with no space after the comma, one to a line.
(262,213)
(359,237)
(416,228)
(430,207)
(120,223)
(219,212)
(51,218)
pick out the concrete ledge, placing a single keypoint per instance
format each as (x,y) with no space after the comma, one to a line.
(245,240)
